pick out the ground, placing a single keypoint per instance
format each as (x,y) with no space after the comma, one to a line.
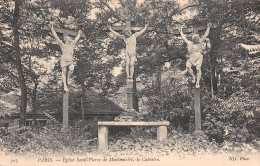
(50,145)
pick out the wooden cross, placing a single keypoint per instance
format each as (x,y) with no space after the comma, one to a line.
(194,30)
(197,29)
(128,26)
(65,100)
(64,32)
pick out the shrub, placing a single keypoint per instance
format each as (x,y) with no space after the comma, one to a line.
(174,104)
(228,119)
(50,139)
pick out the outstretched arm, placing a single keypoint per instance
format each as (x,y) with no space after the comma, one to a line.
(115,33)
(55,35)
(78,36)
(137,34)
(206,33)
(183,36)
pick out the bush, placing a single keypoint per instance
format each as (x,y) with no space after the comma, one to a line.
(228,119)
(233,119)
(173,104)
(50,139)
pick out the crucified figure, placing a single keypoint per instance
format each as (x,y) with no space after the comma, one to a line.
(195,57)
(67,58)
(130,50)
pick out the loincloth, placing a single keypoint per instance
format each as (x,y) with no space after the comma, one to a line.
(66,63)
(66,60)
(130,51)
(131,54)
(195,59)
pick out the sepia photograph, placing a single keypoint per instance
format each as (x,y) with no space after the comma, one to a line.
(129,82)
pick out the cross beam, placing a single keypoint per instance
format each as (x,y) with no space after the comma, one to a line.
(188,30)
(128,26)
(64,32)
(197,29)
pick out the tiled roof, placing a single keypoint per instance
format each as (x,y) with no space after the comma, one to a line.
(94,104)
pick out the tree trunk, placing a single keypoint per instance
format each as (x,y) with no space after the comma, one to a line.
(244,28)
(213,53)
(210,69)
(158,79)
(34,93)
(19,63)
(82,100)
(214,73)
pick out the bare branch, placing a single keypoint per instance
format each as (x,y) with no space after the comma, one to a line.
(185,8)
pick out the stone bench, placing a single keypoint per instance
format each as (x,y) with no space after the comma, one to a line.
(103,130)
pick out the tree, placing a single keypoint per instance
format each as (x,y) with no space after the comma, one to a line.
(226,16)
(15,26)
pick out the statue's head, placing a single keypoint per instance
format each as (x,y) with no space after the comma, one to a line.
(67,39)
(127,33)
(196,38)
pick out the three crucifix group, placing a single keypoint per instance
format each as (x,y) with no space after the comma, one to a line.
(195,57)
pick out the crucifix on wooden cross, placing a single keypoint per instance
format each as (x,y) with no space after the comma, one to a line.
(130,52)
(67,64)
(195,59)
(130,41)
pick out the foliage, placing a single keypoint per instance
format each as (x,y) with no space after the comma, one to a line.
(172,104)
(230,115)
(50,139)
(232,119)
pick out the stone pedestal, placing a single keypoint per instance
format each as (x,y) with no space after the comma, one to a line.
(129,91)
(129,114)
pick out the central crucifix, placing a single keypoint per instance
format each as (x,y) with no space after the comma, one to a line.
(130,52)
